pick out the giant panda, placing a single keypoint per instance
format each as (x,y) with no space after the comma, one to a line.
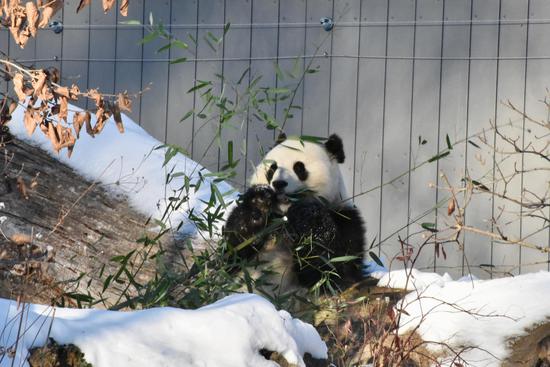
(299,185)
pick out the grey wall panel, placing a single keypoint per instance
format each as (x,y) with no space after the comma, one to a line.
(370,116)
(75,47)
(425,107)
(481,109)
(101,74)
(343,83)
(264,45)
(535,230)
(237,46)
(453,109)
(206,145)
(291,45)
(155,74)
(128,74)
(397,121)
(182,76)
(49,46)
(511,87)
(317,86)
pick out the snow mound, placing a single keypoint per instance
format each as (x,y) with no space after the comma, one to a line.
(129,163)
(474,317)
(228,333)
(409,279)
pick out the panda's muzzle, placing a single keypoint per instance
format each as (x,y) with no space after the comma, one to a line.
(279,185)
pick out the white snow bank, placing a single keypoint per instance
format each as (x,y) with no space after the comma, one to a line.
(228,333)
(409,279)
(481,314)
(129,163)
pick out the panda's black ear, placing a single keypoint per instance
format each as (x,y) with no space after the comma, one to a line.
(280,138)
(335,148)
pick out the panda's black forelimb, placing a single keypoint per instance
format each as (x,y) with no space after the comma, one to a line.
(321,233)
(249,218)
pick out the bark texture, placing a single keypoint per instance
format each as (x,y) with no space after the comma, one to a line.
(56,226)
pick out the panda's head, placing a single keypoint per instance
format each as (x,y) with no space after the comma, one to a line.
(295,166)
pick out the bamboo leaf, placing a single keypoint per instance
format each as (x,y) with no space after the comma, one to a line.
(438,157)
(342,259)
(376,258)
(448,140)
(429,227)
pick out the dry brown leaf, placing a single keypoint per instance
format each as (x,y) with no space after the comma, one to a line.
(66,139)
(124,102)
(78,121)
(34,181)
(451,206)
(16,14)
(102,116)
(18,270)
(124,7)
(63,108)
(59,132)
(52,135)
(96,96)
(30,123)
(39,82)
(62,91)
(48,11)
(83,4)
(53,74)
(13,106)
(45,93)
(18,87)
(74,92)
(24,37)
(44,129)
(70,149)
(108,5)
(118,118)
(20,239)
(54,110)
(88,121)
(5,8)
(22,187)
(32,17)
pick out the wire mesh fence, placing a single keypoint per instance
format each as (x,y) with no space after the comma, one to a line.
(395,79)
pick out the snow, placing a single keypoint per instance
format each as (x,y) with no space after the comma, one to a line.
(373,269)
(228,333)
(129,163)
(468,312)
(416,280)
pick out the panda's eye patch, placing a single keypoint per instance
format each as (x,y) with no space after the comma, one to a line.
(300,170)
(270,172)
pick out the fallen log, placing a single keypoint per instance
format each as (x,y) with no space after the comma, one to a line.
(59,231)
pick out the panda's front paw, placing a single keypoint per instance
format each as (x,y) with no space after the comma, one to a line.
(261,197)
(250,217)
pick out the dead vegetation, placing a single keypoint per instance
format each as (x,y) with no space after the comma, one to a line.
(24,20)
(46,102)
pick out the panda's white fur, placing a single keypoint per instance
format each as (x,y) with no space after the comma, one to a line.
(324,175)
